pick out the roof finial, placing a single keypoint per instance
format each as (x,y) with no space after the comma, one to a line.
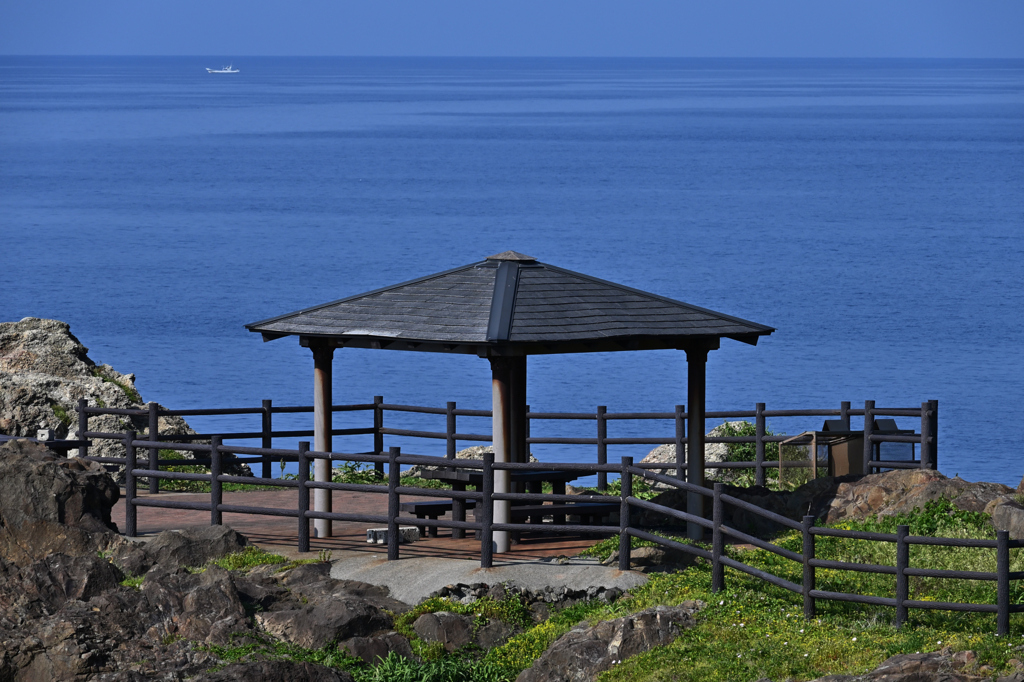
(512,255)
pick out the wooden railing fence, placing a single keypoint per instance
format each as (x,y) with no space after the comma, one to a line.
(925,441)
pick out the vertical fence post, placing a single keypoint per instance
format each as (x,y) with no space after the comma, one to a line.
(926,432)
(216,488)
(935,434)
(602,447)
(267,427)
(303,496)
(1003,582)
(154,453)
(809,573)
(759,428)
(717,541)
(450,430)
(394,480)
(83,426)
(681,442)
(869,426)
(902,582)
(626,491)
(131,516)
(378,437)
(487,513)
(844,414)
(458,505)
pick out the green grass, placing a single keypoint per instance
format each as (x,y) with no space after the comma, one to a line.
(199,486)
(61,414)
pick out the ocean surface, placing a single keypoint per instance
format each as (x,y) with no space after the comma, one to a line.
(871,211)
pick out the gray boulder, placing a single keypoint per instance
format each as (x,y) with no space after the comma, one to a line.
(193,546)
(581,654)
(453,630)
(330,621)
(204,607)
(936,666)
(52,505)
(377,647)
(1009,516)
(713,452)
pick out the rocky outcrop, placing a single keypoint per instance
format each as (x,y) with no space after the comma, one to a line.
(846,497)
(583,652)
(539,602)
(937,666)
(713,452)
(45,369)
(49,504)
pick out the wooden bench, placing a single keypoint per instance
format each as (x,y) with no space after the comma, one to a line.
(431,509)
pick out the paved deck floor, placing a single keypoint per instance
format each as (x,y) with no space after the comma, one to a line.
(279,534)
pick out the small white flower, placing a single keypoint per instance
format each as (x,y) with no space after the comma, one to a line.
(801,629)
(805,655)
(741,624)
(785,643)
(723,601)
(940,641)
(855,639)
(739,655)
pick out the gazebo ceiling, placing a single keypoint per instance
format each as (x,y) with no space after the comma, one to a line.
(510,304)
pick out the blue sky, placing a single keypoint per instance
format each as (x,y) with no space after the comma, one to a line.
(591,28)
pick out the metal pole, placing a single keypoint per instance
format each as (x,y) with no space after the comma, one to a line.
(394,480)
(154,453)
(83,426)
(486,513)
(934,460)
(681,442)
(602,447)
(501,419)
(216,488)
(1003,582)
(626,491)
(378,436)
(323,356)
(268,439)
(303,496)
(131,513)
(759,430)
(717,541)
(869,425)
(809,577)
(696,363)
(902,582)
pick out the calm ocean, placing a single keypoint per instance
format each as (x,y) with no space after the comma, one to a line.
(871,211)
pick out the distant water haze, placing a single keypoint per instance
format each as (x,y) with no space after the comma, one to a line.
(871,211)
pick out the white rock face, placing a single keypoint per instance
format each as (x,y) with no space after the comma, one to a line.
(713,452)
(44,370)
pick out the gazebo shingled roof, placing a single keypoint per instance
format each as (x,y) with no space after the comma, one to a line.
(513,301)
(505,308)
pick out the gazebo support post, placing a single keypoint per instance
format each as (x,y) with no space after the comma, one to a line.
(501,432)
(696,382)
(323,357)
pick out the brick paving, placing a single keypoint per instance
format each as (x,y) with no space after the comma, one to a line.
(279,534)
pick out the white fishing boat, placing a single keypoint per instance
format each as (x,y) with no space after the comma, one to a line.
(230,68)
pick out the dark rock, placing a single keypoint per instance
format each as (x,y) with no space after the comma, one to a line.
(193,546)
(451,629)
(938,666)
(582,653)
(330,621)
(1009,516)
(493,634)
(52,505)
(275,671)
(377,647)
(202,607)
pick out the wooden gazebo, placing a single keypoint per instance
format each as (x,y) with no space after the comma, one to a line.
(505,308)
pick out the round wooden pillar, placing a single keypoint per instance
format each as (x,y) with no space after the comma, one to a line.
(696,385)
(323,357)
(501,434)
